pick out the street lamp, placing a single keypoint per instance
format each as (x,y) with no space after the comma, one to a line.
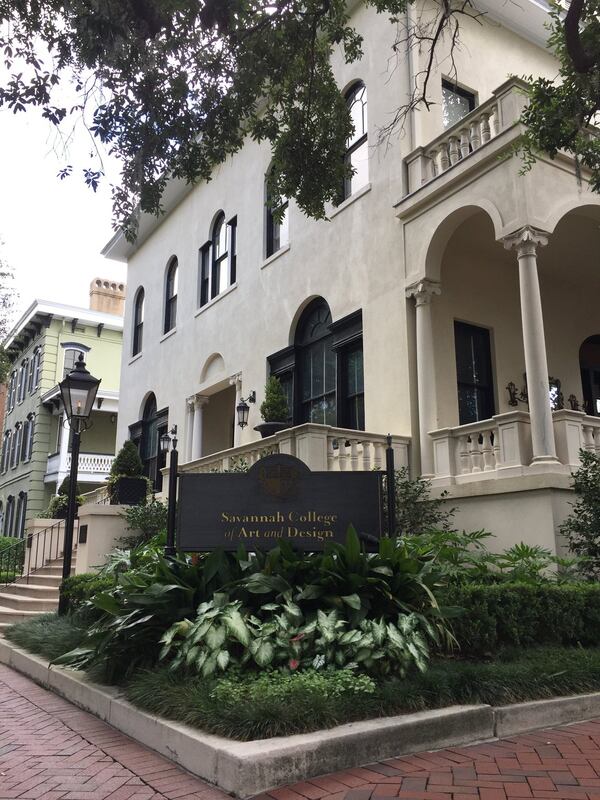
(78,392)
(243,409)
(165,446)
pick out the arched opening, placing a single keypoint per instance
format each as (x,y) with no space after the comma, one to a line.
(152,427)
(138,322)
(171,282)
(589,364)
(356,157)
(316,366)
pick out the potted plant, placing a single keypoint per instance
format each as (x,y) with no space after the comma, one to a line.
(273,409)
(57,509)
(127,484)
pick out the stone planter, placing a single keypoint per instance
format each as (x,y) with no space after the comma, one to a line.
(129,492)
(269,428)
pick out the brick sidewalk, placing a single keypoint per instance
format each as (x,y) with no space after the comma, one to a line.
(556,764)
(50,750)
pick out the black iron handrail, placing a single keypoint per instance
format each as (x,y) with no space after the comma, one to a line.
(26,556)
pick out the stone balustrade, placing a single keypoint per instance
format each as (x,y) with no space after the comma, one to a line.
(469,135)
(321,447)
(94,463)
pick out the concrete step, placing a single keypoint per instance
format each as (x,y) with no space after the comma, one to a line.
(24,602)
(9,616)
(41,580)
(31,589)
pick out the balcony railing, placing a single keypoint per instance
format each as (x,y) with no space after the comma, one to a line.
(321,447)
(93,463)
(501,446)
(469,135)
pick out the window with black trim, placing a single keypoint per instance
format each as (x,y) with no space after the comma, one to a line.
(5,451)
(20,515)
(36,367)
(356,157)
(146,435)
(22,388)
(277,223)
(456,103)
(217,265)
(171,295)
(9,515)
(29,430)
(12,391)
(474,373)
(204,275)
(15,450)
(322,372)
(138,322)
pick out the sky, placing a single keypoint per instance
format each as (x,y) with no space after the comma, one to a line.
(52,230)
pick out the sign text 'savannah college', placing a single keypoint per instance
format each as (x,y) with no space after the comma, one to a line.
(278,499)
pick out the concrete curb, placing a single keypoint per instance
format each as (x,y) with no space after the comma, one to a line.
(248,768)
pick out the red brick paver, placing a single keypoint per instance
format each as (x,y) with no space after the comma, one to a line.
(50,750)
(555,764)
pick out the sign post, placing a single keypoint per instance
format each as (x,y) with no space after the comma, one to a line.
(391,488)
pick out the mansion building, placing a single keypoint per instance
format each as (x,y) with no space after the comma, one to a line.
(449,299)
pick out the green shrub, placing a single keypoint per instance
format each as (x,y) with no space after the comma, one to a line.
(274,407)
(79,589)
(149,519)
(416,510)
(47,634)
(14,555)
(127,462)
(582,526)
(65,485)
(57,508)
(524,615)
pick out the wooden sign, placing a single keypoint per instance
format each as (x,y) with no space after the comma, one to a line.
(278,499)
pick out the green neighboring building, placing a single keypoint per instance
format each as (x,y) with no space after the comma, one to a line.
(43,346)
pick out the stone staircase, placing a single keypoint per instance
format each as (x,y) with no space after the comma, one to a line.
(21,600)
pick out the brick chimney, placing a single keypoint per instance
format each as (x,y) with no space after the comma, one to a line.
(107,296)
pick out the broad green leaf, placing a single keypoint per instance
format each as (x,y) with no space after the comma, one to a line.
(352,600)
(237,627)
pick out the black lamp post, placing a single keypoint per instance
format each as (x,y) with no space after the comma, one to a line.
(243,409)
(78,392)
(165,446)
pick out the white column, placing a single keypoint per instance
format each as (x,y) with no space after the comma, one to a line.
(526,241)
(236,380)
(63,452)
(423,291)
(199,403)
(189,427)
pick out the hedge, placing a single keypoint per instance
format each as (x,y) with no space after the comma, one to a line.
(17,557)
(523,615)
(79,588)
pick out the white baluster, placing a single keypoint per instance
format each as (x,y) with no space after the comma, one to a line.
(342,454)
(366,456)
(444,158)
(487,452)
(486,133)
(354,455)
(465,143)
(453,151)
(432,156)
(463,455)
(475,135)
(496,447)
(330,454)
(475,453)
(588,438)
(378,455)
(495,121)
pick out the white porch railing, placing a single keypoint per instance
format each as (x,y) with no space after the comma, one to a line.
(93,463)
(469,135)
(321,447)
(501,446)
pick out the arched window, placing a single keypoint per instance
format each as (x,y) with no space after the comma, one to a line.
(317,368)
(23,372)
(28,437)
(171,296)
(5,450)
(20,515)
(12,390)
(9,515)
(138,322)
(15,450)
(217,268)
(356,157)
(71,355)
(149,444)
(35,371)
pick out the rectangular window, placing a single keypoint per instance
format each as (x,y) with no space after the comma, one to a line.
(204,276)
(232,231)
(353,388)
(474,373)
(456,103)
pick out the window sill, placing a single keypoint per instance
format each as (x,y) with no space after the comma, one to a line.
(216,299)
(349,200)
(167,334)
(136,357)
(275,256)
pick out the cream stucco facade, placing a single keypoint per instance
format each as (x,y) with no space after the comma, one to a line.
(446,229)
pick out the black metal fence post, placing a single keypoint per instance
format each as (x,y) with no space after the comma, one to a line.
(70,520)
(391,483)
(173,462)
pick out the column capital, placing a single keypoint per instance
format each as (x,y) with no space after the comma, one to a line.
(526,241)
(199,400)
(423,290)
(236,380)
